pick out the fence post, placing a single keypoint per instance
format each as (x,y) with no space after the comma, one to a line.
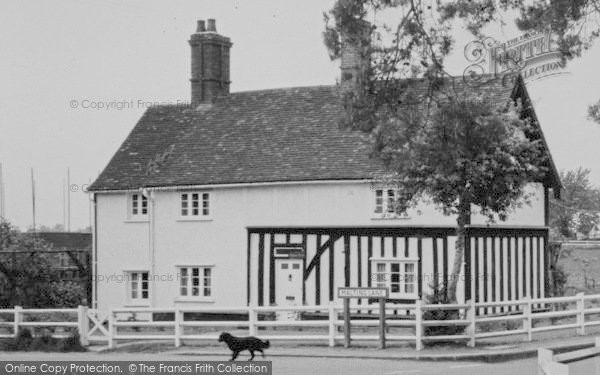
(471,319)
(418,325)
(177,327)
(332,319)
(527,321)
(580,314)
(111,329)
(18,310)
(83,325)
(252,320)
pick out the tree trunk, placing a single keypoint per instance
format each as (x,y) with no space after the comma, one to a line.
(464,219)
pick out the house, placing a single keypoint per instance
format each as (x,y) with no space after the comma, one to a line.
(259,198)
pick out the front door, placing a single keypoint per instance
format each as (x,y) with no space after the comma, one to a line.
(288,287)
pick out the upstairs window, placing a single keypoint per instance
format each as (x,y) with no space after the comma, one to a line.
(138,206)
(195,205)
(385,205)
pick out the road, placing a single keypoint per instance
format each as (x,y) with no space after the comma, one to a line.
(304,366)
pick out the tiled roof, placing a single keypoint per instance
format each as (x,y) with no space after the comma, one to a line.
(278,135)
(67,240)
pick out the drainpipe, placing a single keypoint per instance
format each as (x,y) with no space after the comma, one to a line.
(150,196)
(95,253)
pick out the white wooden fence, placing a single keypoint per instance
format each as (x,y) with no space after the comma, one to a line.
(530,316)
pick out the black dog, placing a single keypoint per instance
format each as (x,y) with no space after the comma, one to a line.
(239,344)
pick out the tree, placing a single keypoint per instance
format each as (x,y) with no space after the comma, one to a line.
(579,208)
(27,277)
(454,152)
(468,152)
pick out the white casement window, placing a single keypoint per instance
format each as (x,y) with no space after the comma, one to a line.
(385,205)
(195,282)
(138,291)
(195,205)
(138,206)
(400,276)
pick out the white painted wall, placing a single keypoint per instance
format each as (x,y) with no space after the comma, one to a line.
(222,241)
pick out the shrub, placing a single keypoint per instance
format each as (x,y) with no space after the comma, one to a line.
(440,296)
(44,343)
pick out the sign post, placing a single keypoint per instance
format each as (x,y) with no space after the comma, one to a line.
(374,293)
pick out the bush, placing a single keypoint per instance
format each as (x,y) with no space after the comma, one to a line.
(440,296)
(44,343)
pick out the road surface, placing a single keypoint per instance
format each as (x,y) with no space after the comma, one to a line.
(304,366)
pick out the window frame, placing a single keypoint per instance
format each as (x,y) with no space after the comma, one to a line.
(382,204)
(387,280)
(203,203)
(139,300)
(189,283)
(136,204)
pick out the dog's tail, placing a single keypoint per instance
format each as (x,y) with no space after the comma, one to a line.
(266,344)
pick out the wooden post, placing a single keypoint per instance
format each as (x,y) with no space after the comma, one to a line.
(580,314)
(418,325)
(347,338)
(111,330)
(83,325)
(252,320)
(382,323)
(18,310)
(471,326)
(178,316)
(527,321)
(332,320)
(597,358)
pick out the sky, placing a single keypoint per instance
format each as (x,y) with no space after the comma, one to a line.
(76,75)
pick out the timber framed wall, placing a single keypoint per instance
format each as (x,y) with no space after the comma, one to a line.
(504,263)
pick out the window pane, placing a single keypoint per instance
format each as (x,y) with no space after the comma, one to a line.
(207,284)
(284,266)
(134,204)
(183,291)
(195,271)
(296,266)
(205,204)
(145,294)
(184,204)
(144,275)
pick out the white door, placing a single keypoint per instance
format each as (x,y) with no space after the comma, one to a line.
(288,282)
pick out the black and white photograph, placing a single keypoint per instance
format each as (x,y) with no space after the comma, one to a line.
(300,187)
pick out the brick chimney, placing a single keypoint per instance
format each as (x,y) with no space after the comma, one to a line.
(210,63)
(355,56)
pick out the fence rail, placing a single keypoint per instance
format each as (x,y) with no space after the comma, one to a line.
(284,323)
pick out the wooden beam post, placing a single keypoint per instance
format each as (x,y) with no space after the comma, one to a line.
(347,338)
(382,323)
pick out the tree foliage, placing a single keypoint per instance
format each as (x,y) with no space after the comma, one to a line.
(579,208)
(453,150)
(27,277)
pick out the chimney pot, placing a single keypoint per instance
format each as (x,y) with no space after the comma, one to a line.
(201,27)
(212,25)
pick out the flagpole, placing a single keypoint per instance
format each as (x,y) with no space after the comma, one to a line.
(33,199)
